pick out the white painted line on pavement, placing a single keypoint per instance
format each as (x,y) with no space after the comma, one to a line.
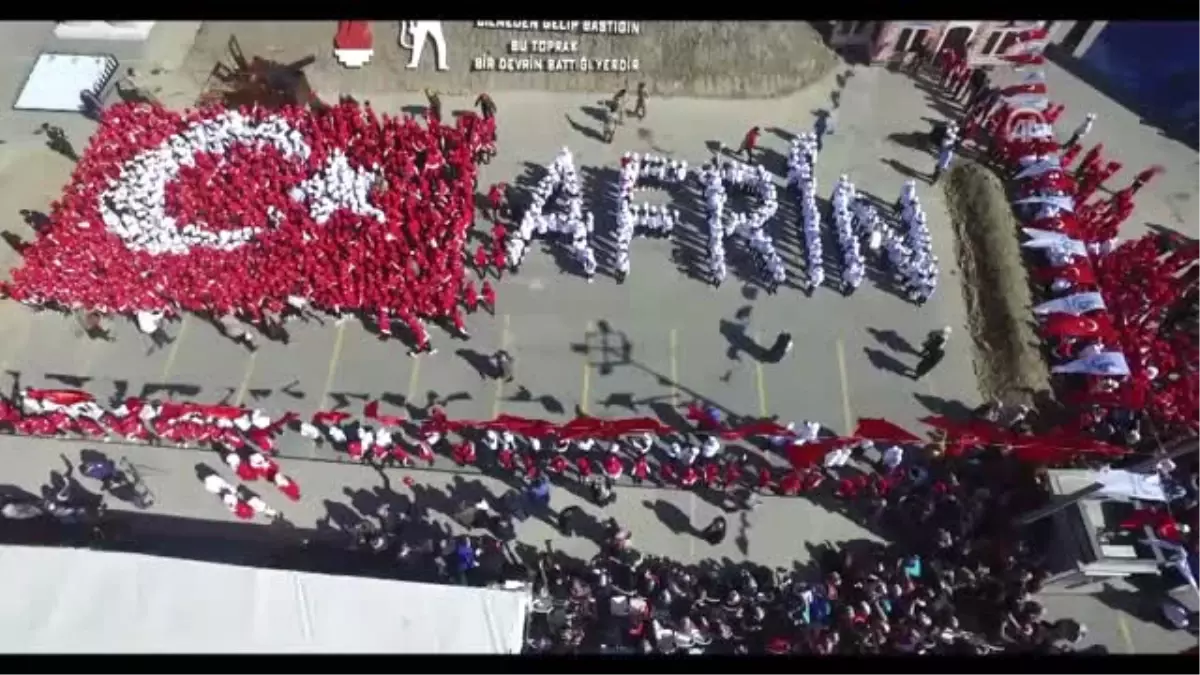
(760,383)
(848,419)
(1126,636)
(244,387)
(334,357)
(585,389)
(414,376)
(174,350)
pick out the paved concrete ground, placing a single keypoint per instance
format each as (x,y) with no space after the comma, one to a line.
(778,533)
(671,323)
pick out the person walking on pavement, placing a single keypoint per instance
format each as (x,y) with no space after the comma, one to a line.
(435,104)
(617,104)
(487,107)
(714,533)
(1083,130)
(932,352)
(503,363)
(639,105)
(57,141)
(610,125)
(749,143)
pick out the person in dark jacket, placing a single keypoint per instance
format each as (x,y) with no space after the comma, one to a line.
(715,532)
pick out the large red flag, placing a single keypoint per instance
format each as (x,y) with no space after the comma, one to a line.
(884,431)
(63,397)
(1018,89)
(804,455)
(371,411)
(1079,272)
(975,431)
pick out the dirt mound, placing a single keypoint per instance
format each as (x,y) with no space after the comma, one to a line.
(1007,360)
(720,59)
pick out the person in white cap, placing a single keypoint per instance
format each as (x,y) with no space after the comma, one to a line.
(1082,130)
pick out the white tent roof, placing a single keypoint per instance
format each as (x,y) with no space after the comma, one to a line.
(73,600)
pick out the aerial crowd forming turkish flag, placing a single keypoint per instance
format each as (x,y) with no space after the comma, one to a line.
(245,211)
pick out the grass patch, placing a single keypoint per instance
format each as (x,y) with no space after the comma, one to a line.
(1008,361)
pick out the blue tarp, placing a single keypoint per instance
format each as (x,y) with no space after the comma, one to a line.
(1156,62)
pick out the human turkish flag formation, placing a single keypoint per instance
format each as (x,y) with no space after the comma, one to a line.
(221,210)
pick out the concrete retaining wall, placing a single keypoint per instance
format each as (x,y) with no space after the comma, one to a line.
(676,58)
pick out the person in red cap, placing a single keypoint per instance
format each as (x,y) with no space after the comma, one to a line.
(557,464)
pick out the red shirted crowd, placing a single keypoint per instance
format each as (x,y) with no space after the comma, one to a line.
(407,265)
(1147,284)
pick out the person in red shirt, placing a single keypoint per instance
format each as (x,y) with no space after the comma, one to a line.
(489,297)
(558,464)
(287,486)
(690,476)
(712,475)
(1069,155)
(481,260)
(464,453)
(506,458)
(749,143)
(495,197)
(499,259)
(641,468)
(613,467)
(470,296)
(1140,180)
(765,477)
(584,467)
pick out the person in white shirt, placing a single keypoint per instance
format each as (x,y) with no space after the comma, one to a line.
(892,458)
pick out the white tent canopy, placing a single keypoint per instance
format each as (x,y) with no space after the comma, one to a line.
(73,600)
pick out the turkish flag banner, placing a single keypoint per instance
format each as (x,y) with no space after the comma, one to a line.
(222,210)
(1069,325)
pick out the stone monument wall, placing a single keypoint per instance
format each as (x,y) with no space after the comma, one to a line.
(675,58)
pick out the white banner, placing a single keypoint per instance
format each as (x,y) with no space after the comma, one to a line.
(1124,485)
(1037,234)
(1057,201)
(1044,165)
(1104,363)
(1037,102)
(1079,303)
